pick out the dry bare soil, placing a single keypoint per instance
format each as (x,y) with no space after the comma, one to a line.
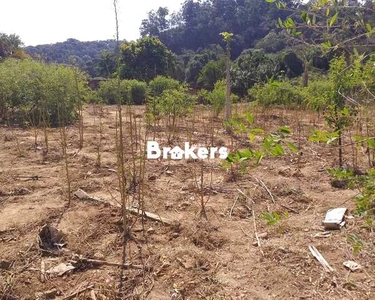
(193,258)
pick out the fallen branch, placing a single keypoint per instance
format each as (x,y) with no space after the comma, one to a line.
(152,216)
(73,295)
(82,195)
(321,259)
(42,271)
(247,197)
(149,215)
(31,177)
(231,209)
(289,208)
(114,264)
(254,221)
(266,188)
(256,232)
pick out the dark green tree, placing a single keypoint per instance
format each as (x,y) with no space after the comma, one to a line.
(145,59)
(211,73)
(254,66)
(9,45)
(107,64)
(156,22)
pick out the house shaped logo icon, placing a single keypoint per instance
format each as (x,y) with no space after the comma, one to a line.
(177,153)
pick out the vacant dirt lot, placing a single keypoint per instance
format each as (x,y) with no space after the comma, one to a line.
(192,258)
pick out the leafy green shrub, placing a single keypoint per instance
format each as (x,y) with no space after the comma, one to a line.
(365,185)
(274,144)
(211,73)
(272,218)
(175,103)
(317,94)
(281,93)
(272,42)
(36,91)
(130,91)
(171,103)
(157,87)
(110,91)
(162,83)
(253,66)
(217,97)
(138,91)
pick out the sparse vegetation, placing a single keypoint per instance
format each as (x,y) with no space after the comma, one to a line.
(286,89)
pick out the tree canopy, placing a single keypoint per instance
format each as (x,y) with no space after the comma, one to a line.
(9,45)
(145,59)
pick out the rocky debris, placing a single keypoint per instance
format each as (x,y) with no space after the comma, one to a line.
(352,265)
(60,269)
(335,218)
(50,238)
(5,265)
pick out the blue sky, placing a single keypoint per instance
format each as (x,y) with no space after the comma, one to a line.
(51,21)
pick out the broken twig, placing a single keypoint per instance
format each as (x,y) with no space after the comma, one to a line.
(321,259)
(266,188)
(80,291)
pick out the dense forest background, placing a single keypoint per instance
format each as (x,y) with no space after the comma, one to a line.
(186,45)
(193,34)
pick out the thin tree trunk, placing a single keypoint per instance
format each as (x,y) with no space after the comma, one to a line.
(305,77)
(228,112)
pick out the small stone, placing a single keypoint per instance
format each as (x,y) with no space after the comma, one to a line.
(175,235)
(152,177)
(263,235)
(99,256)
(352,265)
(23,191)
(169,173)
(5,265)
(168,205)
(184,205)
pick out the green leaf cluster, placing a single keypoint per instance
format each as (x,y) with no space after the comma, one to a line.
(34,90)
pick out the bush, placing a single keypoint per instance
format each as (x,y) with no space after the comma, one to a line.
(138,91)
(290,64)
(317,94)
(175,103)
(253,66)
(110,93)
(277,93)
(36,91)
(211,73)
(272,42)
(162,83)
(130,92)
(217,97)
(171,103)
